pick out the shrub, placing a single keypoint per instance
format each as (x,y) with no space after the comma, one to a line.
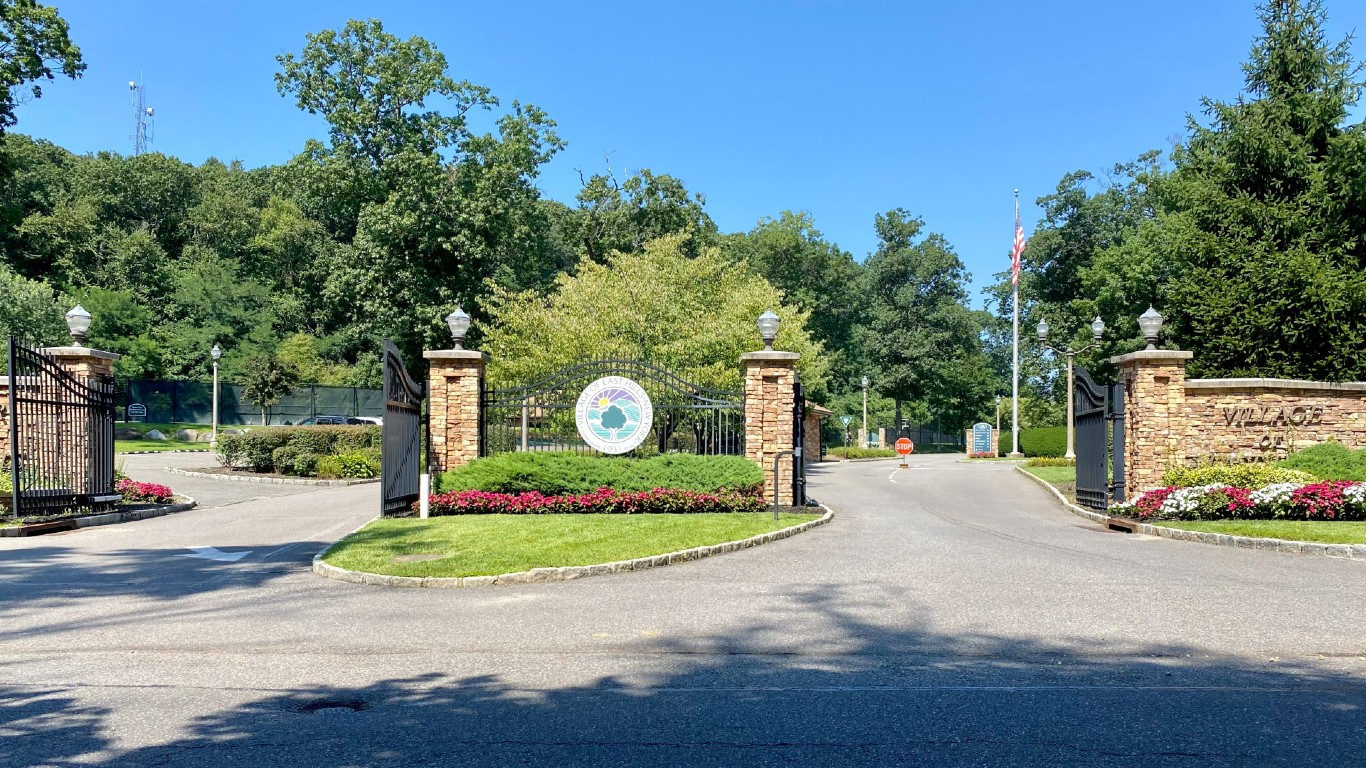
(1329,461)
(255,449)
(1050,461)
(567,473)
(1240,475)
(1036,441)
(856,452)
(352,466)
(134,491)
(600,501)
(306,464)
(282,459)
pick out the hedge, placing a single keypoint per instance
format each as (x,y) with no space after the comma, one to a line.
(1329,461)
(1240,475)
(290,449)
(1036,441)
(854,452)
(568,473)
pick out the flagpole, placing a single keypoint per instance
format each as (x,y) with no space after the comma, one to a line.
(1015,367)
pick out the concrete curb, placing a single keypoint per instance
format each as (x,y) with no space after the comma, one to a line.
(268,480)
(108,518)
(1344,551)
(566,573)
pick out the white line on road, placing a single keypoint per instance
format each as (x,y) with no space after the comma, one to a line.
(213,553)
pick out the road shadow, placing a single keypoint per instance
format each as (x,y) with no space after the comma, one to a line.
(859,693)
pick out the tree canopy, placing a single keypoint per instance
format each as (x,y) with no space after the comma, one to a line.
(34,40)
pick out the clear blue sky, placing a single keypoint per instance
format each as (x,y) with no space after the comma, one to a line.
(840,109)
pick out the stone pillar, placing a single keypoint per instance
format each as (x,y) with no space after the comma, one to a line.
(770,385)
(1154,414)
(454,380)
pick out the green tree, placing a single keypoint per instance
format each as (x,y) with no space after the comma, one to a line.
(922,341)
(33,41)
(694,316)
(624,216)
(266,381)
(1265,227)
(30,310)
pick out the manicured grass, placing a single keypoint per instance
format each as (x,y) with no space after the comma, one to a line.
(124,446)
(1293,530)
(482,545)
(1054,475)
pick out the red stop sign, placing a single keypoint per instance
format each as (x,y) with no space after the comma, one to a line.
(904,446)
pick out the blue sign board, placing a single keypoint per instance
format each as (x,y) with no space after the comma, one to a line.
(981,438)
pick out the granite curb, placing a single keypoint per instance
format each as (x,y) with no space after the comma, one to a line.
(108,518)
(1345,551)
(269,480)
(565,573)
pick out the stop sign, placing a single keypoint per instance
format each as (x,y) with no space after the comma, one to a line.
(904,446)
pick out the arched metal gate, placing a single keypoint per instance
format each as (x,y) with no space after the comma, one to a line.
(401,454)
(1099,424)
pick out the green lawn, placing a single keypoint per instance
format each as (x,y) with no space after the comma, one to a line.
(1054,475)
(1293,530)
(482,545)
(125,446)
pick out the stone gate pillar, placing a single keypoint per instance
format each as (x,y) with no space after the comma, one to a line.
(1154,414)
(454,381)
(770,386)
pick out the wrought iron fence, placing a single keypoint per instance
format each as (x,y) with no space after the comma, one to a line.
(60,439)
(540,416)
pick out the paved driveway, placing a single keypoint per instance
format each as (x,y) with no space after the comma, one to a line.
(952,614)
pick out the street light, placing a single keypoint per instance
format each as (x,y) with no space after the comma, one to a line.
(215,353)
(1097,330)
(78,322)
(768,328)
(459,323)
(1150,323)
(865,412)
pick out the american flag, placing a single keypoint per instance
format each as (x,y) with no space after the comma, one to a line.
(1017,250)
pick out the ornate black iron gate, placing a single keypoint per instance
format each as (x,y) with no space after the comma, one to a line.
(1099,425)
(401,452)
(541,416)
(61,437)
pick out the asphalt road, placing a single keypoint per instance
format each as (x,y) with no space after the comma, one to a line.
(952,614)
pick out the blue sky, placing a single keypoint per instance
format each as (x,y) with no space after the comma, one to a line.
(840,109)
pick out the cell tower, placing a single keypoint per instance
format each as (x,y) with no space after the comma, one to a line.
(143,127)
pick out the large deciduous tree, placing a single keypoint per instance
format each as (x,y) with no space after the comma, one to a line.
(34,40)
(692,315)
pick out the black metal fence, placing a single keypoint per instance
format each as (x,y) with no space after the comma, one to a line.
(60,438)
(541,416)
(927,439)
(191,402)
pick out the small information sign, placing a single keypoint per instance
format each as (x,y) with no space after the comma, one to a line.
(981,440)
(137,411)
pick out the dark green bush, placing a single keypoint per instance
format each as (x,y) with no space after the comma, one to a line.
(565,473)
(255,449)
(282,459)
(1036,441)
(306,464)
(854,452)
(1329,461)
(353,465)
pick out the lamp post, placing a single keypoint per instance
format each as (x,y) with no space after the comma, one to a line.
(1097,330)
(215,353)
(998,414)
(768,329)
(78,322)
(865,412)
(459,324)
(1150,323)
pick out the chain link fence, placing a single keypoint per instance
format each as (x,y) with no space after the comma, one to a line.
(191,402)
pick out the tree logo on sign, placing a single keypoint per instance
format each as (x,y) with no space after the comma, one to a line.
(614,415)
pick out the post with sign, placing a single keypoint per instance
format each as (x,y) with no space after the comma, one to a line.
(981,441)
(905,447)
(136,412)
(845,420)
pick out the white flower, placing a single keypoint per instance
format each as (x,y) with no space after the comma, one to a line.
(1276,493)
(1356,494)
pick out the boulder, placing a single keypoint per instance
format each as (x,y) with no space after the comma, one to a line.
(127,434)
(154,434)
(188,435)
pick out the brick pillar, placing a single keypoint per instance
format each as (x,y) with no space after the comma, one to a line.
(453,383)
(770,382)
(1154,414)
(90,366)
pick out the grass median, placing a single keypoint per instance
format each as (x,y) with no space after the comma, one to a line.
(484,545)
(1318,531)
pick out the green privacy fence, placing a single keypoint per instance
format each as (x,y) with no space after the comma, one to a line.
(191,402)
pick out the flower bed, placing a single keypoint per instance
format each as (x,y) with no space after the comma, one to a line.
(1330,500)
(601,501)
(143,493)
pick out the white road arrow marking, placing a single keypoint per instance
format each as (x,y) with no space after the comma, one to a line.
(213,553)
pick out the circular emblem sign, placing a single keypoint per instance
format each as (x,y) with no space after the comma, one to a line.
(614,414)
